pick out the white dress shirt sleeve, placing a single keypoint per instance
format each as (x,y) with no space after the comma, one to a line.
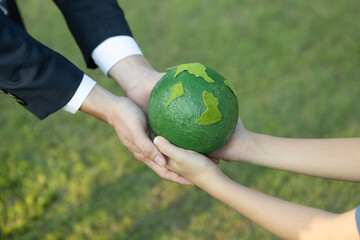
(85,87)
(113,50)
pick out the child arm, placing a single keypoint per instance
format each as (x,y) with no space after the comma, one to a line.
(336,158)
(284,219)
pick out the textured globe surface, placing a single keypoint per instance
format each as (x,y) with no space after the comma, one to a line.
(194,107)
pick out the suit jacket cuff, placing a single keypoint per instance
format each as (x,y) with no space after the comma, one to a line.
(85,87)
(114,49)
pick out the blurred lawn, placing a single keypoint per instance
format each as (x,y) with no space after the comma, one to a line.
(295,65)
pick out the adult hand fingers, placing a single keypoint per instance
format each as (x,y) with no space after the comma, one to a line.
(149,150)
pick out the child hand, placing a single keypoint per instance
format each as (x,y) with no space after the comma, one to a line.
(235,149)
(189,164)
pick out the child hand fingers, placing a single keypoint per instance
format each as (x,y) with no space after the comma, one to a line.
(167,148)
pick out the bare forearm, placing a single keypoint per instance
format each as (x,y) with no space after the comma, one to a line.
(97,102)
(136,77)
(284,219)
(102,105)
(129,71)
(328,158)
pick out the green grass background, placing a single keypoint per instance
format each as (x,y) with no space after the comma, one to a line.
(295,65)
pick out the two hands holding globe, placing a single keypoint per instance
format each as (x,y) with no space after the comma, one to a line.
(196,109)
(196,94)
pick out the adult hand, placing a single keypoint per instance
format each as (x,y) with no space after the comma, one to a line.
(137,78)
(130,124)
(140,92)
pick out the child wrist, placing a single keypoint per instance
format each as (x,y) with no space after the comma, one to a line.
(246,153)
(207,179)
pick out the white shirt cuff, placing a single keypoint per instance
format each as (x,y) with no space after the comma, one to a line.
(85,87)
(113,50)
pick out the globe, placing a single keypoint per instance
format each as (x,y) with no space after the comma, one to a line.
(194,107)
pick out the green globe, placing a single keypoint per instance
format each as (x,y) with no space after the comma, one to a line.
(194,107)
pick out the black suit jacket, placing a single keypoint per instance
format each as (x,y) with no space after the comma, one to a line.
(41,79)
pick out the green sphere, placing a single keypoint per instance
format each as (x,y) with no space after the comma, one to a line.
(194,107)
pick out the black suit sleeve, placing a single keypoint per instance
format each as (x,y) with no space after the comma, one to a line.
(43,79)
(92,22)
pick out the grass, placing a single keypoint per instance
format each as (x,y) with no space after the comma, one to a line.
(295,66)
